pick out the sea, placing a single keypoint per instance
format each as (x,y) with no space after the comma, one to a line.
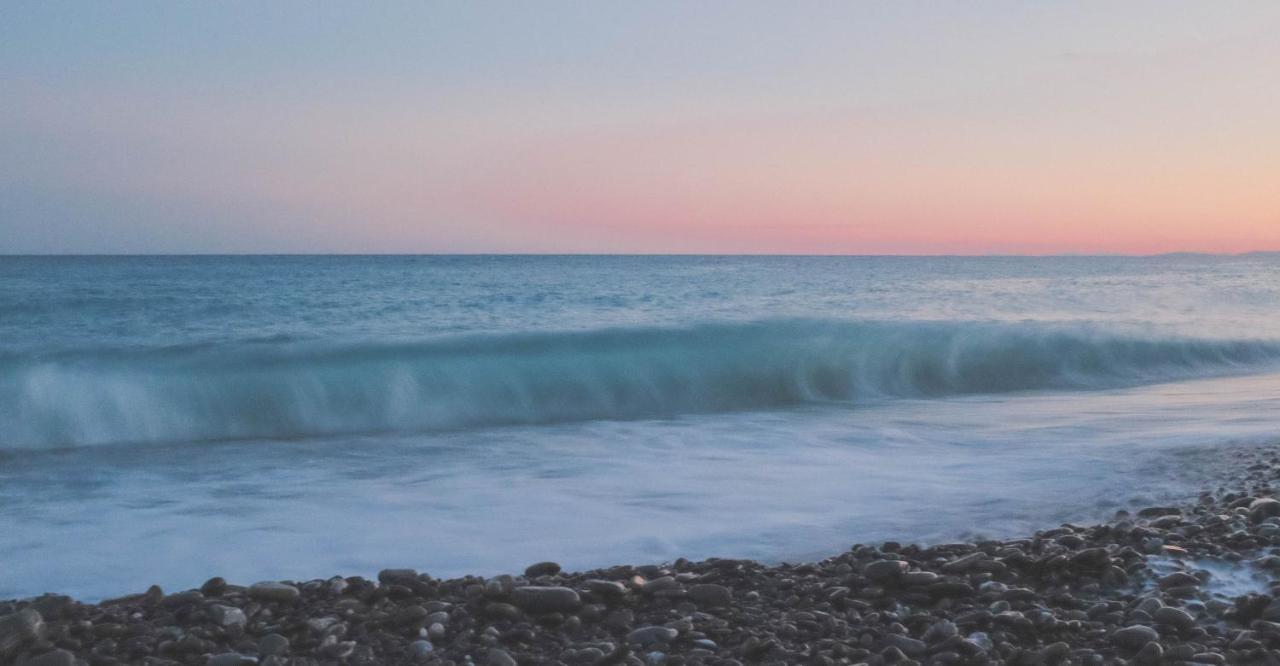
(165,419)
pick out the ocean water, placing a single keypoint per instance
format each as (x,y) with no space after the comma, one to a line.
(166,419)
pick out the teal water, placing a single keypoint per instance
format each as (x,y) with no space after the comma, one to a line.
(164,419)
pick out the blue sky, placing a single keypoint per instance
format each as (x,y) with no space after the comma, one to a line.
(639,127)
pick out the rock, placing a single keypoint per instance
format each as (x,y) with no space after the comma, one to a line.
(939,631)
(393,576)
(183,599)
(1151,654)
(273,592)
(660,585)
(230,659)
(1054,653)
(53,658)
(542,569)
(981,641)
(1094,558)
(420,650)
(227,616)
(51,606)
(918,578)
(1178,579)
(436,631)
(1263,508)
(18,630)
(320,625)
(412,615)
(499,657)
(965,563)
(1175,617)
(710,594)
(1134,637)
(652,635)
(606,588)
(1150,606)
(502,611)
(951,588)
(153,596)
(538,600)
(214,587)
(273,645)
(909,646)
(885,571)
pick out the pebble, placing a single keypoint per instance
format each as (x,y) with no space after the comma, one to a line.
(537,599)
(1054,653)
(273,592)
(393,576)
(909,646)
(1134,637)
(273,645)
(1151,654)
(710,594)
(884,571)
(651,635)
(1263,508)
(542,569)
(227,617)
(1175,617)
(18,630)
(214,587)
(420,650)
(609,589)
(52,658)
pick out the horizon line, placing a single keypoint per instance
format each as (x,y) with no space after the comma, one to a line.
(994,255)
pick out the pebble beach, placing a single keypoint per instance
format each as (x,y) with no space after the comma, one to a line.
(639,334)
(1189,584)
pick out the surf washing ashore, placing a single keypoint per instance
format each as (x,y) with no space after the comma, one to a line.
(1082,445)
(1187,584)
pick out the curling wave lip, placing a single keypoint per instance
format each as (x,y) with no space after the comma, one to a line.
(281,388)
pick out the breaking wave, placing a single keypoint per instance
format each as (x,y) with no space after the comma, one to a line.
(289,389)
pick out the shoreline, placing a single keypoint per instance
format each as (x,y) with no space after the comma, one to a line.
(1174,584)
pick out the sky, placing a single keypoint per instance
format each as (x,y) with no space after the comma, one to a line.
(639,127)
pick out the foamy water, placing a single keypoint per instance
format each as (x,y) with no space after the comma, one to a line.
(163,420)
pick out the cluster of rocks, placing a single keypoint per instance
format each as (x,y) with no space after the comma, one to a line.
(1132,590)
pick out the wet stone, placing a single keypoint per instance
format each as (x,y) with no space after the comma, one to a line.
(51,658)
(542,569)
(652,635)
(1134,637)
(710,594)
(536,599)
(18,630)
(273,592)
(273,644)
(884,571)
(230,659)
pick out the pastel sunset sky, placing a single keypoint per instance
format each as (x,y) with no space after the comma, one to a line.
(718,127)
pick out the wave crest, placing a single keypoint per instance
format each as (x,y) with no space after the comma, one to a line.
(287,389)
